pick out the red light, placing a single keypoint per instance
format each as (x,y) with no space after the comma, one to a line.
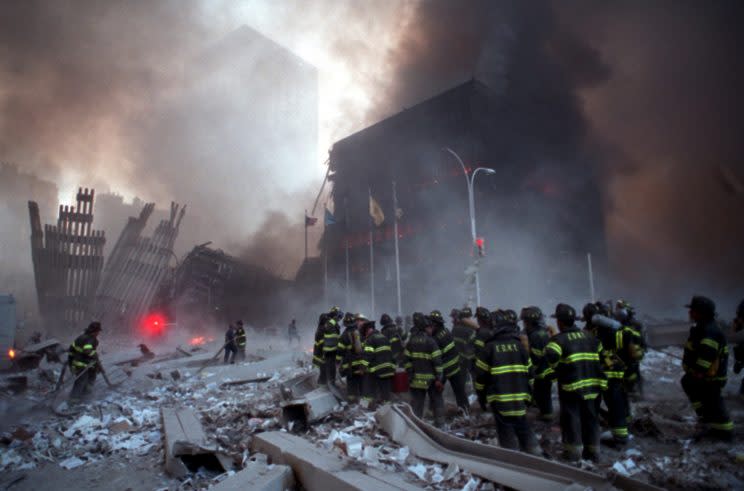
(11,353)
(199,340)
(154,324)
(480,243)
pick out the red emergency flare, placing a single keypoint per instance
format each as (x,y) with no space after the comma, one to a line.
(154,325)
(11,353)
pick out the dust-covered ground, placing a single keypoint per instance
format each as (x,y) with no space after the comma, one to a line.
(115,441)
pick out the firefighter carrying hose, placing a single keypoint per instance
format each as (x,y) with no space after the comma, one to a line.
(83,361)
(240,340)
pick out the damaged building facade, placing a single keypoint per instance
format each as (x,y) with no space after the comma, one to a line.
(539,214)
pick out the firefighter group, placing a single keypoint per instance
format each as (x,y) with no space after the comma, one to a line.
(487,356)
(595,367)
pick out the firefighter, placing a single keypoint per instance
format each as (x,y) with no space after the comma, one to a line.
(83,361)
(240,340)
(618,345)
(705,362)
(231,346)
(450,360)
(625,314)
(378,365)
(538,337)
(407,326)
(349,356)
(292,333)
(738,325)
(318,346)
(463,332)
(575,357)
(424,367)
(503,368)
(392,332)
(483,334)
(331,334)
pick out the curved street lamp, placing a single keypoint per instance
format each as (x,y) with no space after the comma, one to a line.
(469,178)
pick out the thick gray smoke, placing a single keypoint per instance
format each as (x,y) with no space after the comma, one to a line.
(125,95)
(644,96)
(153,100)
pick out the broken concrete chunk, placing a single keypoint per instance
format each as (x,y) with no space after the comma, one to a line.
(259,477)
(316,405)
(186,448)
(317,469)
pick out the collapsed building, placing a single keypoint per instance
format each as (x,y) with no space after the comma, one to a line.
(210,287)
(539,218)
(135,269)
(68,259)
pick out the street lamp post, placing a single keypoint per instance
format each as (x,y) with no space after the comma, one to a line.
(469,179)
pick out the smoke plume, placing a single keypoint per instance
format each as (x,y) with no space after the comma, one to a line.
(645,95)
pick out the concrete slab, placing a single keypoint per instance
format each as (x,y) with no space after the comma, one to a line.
(37,347)
(259,477)
(299,386)
(186,447)
(317,469)
(315,405)
(250,372)
(124,357)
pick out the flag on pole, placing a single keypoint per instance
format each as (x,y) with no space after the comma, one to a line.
(310,221)
(329,219)
(375,211)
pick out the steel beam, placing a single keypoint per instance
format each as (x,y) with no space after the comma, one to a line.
(508,468)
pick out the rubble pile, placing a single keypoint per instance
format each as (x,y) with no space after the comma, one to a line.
(125,425)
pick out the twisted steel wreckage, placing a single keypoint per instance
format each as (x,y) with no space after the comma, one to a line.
(73,281)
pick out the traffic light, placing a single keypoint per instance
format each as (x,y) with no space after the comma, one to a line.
(480,244)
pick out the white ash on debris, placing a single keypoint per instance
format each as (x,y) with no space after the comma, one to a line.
(123,426)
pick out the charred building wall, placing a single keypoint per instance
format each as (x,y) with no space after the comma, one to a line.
(540,214)
(210,287)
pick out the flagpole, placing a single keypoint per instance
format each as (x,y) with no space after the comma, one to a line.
(305,220)
(397,251)
(591,274)
(371,261)
(325,273)
(348,293)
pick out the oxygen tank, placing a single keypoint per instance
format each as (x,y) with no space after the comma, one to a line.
(606,322)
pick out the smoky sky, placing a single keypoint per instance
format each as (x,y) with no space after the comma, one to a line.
(647,93)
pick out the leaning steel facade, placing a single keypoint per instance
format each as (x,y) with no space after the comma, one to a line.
(67,259)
